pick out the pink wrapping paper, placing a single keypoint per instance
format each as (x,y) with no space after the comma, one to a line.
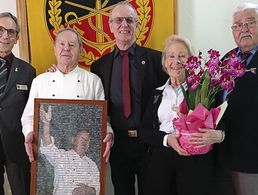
(190,122)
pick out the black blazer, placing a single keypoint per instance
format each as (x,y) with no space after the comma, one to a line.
(12,103)
(240,119)
(149,63)
(150,133)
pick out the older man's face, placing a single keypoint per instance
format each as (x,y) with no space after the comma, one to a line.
(67,49)
(246,37)
(8,36)
(81,143)
(123,24)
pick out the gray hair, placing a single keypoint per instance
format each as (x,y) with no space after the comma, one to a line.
(123,3)
(9,15)
(79,37)
(246,6)
(172,39)
(76,134)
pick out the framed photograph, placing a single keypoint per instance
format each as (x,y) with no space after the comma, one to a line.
(68,147)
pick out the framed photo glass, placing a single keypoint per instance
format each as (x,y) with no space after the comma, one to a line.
(68,147)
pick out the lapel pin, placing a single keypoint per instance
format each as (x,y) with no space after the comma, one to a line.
(143,62)
(16,69)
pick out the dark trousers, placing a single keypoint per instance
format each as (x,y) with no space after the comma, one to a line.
(127,161)
(171,174)
(245,183)
(223,184)
(18,175)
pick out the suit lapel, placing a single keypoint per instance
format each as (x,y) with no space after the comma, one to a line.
(254,59)
(141,62)
(108,67)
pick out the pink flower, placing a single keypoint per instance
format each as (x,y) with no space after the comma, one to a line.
(204,82)
(207,79)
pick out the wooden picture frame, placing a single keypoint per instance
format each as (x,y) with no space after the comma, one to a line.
(58,164)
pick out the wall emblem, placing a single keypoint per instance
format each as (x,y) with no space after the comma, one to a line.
(90,19)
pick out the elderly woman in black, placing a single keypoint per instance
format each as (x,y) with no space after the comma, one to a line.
(172,170)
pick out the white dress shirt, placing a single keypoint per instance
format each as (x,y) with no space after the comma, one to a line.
(70,169)
(167,111)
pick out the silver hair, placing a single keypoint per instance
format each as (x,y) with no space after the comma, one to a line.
(246,6)
(9,15)
(172,39)
(123,3)
(79,37)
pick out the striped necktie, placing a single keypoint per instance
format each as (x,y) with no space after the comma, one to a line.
(3,75)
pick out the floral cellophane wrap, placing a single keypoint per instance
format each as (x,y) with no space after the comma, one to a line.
(190,122)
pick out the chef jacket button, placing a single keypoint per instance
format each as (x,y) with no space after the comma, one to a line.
(78,96)
(53,95)
(79,81)
(53,81)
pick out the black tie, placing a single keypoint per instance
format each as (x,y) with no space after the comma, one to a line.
(244,57)
(3,75)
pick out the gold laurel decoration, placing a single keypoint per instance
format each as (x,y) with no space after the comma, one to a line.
(54,13)
(87,58)
(143,19)
(104,3)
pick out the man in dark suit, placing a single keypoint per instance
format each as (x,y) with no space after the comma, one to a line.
(127,158)
(240,118)
(15,80)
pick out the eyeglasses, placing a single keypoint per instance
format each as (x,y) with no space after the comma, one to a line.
(119,20)
(239,26)
(11,32)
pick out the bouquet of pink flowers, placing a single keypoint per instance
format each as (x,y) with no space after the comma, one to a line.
(204,82)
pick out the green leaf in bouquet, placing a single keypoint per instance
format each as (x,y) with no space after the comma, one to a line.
(212,94)
(205,89)
(197,97)
(191,96)
(205,102)
(186,96)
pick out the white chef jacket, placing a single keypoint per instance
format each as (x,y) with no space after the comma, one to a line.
(78,84)
(70,169)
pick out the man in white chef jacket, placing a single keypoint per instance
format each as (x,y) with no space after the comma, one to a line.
(69,81)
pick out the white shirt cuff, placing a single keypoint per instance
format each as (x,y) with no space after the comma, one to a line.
(165,141)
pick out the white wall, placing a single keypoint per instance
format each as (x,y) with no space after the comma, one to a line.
(207,23)
(10,6)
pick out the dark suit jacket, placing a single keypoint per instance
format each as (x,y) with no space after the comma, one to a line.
(150,133)
(12,103)
(241,123)
(149,63)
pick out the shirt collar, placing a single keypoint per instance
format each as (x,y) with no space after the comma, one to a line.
(9,58)
(59,73)
(131,50)
(253,51)
(184,84)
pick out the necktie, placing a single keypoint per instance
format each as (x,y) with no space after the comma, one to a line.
(244,57)
(3,75)
(126,95)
